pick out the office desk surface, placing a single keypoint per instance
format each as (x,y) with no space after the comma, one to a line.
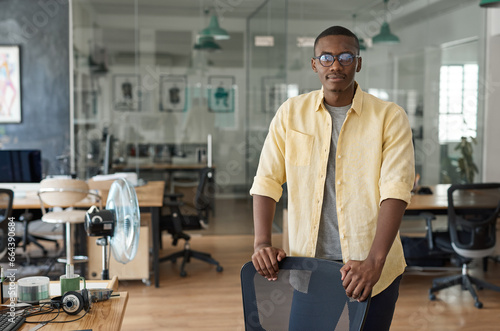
(149,195)
(105,315)
(160,166)
(437,202)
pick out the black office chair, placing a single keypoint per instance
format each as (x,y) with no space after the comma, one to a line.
(471,234)
(26,218)
(6,200)
(177,221)
(308,295)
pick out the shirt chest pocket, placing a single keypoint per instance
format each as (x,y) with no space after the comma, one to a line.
(299,147)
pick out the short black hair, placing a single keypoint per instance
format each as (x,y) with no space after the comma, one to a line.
(336,31)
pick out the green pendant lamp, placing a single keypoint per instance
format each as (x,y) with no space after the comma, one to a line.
(214,30)
(385,36)
(206,43)
(489,3)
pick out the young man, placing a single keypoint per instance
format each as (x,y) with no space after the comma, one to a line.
(347,158)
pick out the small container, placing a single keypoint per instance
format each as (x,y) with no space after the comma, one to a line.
(33,289)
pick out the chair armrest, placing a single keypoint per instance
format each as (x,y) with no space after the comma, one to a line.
(430,237)
(173,199)
(173,203)
(173,196)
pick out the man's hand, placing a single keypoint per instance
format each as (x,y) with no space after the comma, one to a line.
(359,277)
(265,260)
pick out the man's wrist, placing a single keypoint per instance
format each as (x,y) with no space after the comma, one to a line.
(259,246)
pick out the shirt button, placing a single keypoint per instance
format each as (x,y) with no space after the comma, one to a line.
(339,156)
(341,236)
(338,182)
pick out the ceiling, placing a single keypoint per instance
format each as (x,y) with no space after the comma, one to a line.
(177,46)
(297,9)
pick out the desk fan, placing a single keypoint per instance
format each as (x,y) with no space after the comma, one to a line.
(118,224)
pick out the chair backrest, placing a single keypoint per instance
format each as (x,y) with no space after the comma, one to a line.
(473,210)
(62,192)
(204,190)
(308,295)
(6,200)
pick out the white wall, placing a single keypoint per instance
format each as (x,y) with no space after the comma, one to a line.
(491,165)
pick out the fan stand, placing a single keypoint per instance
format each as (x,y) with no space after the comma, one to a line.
(105,262)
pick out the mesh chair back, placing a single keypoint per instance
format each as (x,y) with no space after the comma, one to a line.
(308,295)
(62,192)
(473,210)
(6,200)
(204,191)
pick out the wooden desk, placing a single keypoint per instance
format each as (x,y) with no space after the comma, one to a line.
(437,202)
(150,198)
(160,166)
(104,315)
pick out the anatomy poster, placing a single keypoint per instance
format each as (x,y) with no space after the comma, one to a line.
(10,84)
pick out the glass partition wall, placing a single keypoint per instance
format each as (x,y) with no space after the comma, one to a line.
(149,93)
(266,79)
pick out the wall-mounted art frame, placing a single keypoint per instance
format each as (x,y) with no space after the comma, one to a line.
(126,92)
(10,84)
(173,93)
(274,93)
(221,94)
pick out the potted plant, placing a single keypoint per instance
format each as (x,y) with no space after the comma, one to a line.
(467,169)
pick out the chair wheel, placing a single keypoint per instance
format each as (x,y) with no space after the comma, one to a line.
(432,296)
(183,273)
(219,268)
(478,304)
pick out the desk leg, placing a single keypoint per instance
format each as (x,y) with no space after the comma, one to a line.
(155,220)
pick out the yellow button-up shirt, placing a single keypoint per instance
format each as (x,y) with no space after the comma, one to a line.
(374,162)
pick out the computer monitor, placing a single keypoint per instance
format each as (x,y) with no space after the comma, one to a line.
(20,166)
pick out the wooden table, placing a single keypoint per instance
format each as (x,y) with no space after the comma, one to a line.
(150,197)
(437,202)
(105,315)
(169,167)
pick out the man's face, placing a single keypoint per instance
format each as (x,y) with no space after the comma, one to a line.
(336,78)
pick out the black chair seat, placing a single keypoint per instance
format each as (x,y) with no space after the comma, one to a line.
(471,234)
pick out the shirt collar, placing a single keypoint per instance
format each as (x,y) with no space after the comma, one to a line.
(357,101)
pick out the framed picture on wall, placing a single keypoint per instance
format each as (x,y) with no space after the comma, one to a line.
(10,84)
(274,93)
(126,92)
(221,94)
(173,93)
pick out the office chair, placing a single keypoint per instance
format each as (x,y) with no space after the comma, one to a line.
(308,295)
(6,200)
(177,221)
(26,218)
(471,234)
(65,193)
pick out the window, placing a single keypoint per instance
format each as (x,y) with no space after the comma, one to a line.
(458,102)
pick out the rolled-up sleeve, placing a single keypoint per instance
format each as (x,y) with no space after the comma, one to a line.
(397,172)
(271,171)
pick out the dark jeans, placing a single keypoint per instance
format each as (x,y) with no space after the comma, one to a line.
(317,314)
(382,308)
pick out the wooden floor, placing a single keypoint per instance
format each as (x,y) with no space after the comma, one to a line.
(208,300)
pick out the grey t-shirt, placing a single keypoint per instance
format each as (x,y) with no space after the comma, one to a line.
(328,246)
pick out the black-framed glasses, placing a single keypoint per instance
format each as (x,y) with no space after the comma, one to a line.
(327,60)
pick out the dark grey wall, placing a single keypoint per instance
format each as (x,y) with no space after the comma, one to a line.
(41,27)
